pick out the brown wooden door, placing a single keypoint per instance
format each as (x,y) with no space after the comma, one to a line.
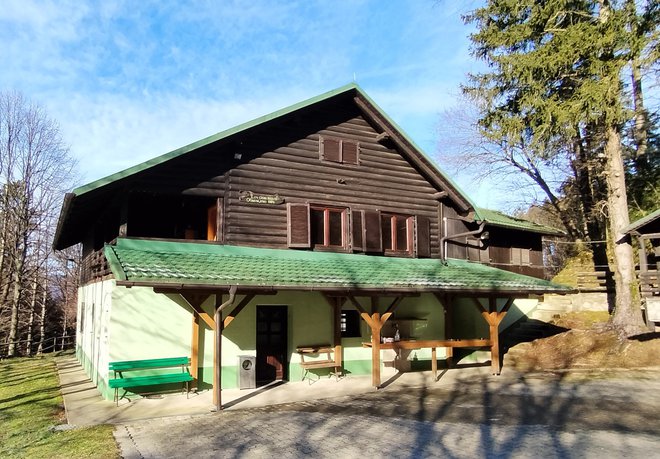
(271,343)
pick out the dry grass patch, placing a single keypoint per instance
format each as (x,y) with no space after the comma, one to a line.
(589,344)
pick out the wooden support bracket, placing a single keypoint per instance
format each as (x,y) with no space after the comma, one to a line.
(239,307)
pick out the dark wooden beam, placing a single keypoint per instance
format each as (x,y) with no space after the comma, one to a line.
(357,305)
(390,310)
(446,302)
(232,315)
(375,349)
(383,136)
(195,302)
(336,331)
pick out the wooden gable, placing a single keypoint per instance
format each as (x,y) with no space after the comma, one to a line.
(338,151)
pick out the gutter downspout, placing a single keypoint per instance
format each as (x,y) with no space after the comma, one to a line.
(444,239)
(217,376)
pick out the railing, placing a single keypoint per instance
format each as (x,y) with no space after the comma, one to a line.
(649,283)
(52,344)
(94,266)
(595,281)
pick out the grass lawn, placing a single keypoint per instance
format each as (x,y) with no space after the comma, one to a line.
(31,404)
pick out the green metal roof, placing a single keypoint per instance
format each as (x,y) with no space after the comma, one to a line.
(148,262)
(642,221)
(496,218)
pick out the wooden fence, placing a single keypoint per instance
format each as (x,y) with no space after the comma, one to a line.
(52,344)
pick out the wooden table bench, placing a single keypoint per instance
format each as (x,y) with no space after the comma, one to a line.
(121,382)
(332,360)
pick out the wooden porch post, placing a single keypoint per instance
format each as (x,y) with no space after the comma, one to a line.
(494,318)
(375,349)
(195,301)
(446,300)
(493,328)
(336,332)
(375,322)
(194,351)
(643,265)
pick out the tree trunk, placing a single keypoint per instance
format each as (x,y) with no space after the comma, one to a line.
(42,320)
(627,316)
(641,117)
(16,299)
(33,304)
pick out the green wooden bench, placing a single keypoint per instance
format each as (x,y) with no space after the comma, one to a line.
(121,382)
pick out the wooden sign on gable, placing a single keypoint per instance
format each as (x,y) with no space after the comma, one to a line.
(254,198)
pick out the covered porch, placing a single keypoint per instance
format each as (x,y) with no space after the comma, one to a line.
(380,289)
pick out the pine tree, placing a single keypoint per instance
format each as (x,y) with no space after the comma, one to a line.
(555,78)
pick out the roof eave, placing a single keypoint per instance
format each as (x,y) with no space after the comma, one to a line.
(58,244)
(178,285)
(441,180)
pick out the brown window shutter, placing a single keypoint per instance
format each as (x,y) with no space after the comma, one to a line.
(212,223)
(357,230)
(473,250)
(516,253)
(331,149)
(373,240)
(298,225)
(536,258)
(524,256)
(350,152)
(422,237)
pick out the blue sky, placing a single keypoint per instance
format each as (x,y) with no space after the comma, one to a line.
(128,81)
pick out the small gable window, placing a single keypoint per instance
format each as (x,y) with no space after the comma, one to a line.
(339,150)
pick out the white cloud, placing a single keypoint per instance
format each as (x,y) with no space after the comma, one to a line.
(109,133)
(129,81)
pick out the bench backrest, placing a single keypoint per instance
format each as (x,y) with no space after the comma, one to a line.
(149,363)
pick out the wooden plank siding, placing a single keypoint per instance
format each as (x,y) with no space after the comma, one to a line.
(283,157)
(383,180)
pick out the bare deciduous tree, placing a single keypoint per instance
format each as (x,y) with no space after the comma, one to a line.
(35,171)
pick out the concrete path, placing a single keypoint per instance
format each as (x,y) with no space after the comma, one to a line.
(467,413)
(548,419)
(84,405)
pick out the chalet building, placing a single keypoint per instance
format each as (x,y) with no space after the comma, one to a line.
(317,238)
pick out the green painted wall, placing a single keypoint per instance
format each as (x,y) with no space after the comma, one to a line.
(137,323)
(92,338)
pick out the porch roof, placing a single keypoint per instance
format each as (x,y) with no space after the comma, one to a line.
(204,265)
